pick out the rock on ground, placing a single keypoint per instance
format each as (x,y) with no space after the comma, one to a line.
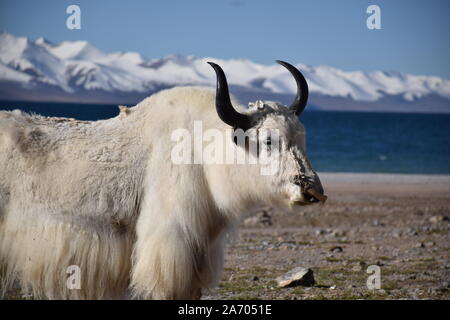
(297,277)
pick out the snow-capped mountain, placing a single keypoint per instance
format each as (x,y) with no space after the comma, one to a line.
(77,71)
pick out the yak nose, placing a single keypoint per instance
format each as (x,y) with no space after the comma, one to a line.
(315,193)
(309,197)
(318,186)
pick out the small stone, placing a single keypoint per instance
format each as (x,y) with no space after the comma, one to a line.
(251,222)
(338,233)
(358,266)
(336,249)
(432,291)
(262,218)
(397,233)
(320,232)
(437,219)
(411,232)
(296,277)
(255,278)
(419,245)
(377,223)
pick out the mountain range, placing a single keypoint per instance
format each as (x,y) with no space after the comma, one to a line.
(76,71)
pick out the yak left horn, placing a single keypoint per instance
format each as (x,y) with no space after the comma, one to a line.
(301,98)
(224,108)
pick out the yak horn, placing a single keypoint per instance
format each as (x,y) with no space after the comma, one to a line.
(299,103)
(224,108)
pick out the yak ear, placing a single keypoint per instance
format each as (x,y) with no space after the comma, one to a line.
(227,113)
(301,98)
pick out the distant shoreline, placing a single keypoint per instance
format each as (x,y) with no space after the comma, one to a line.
(385,178)
(11,104)
(371,186)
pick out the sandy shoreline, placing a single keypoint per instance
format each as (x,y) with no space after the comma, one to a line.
(398,222)
(386,184)
(384,178)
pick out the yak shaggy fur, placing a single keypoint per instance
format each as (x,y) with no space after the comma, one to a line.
(105,196)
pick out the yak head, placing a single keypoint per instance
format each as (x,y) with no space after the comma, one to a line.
(279,137)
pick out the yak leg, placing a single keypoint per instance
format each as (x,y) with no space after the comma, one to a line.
(210,267)
(164,265)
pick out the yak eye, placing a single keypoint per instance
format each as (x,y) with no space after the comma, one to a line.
(269,144)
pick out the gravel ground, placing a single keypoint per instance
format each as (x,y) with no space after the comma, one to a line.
(403,229)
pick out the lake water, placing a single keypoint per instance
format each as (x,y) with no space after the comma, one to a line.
(336,141)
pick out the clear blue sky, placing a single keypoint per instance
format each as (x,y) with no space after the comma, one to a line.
(414,37)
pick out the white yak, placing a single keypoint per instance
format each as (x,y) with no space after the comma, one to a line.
(106,196)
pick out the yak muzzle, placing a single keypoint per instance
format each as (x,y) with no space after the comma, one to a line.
(312,190)
(312,195)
